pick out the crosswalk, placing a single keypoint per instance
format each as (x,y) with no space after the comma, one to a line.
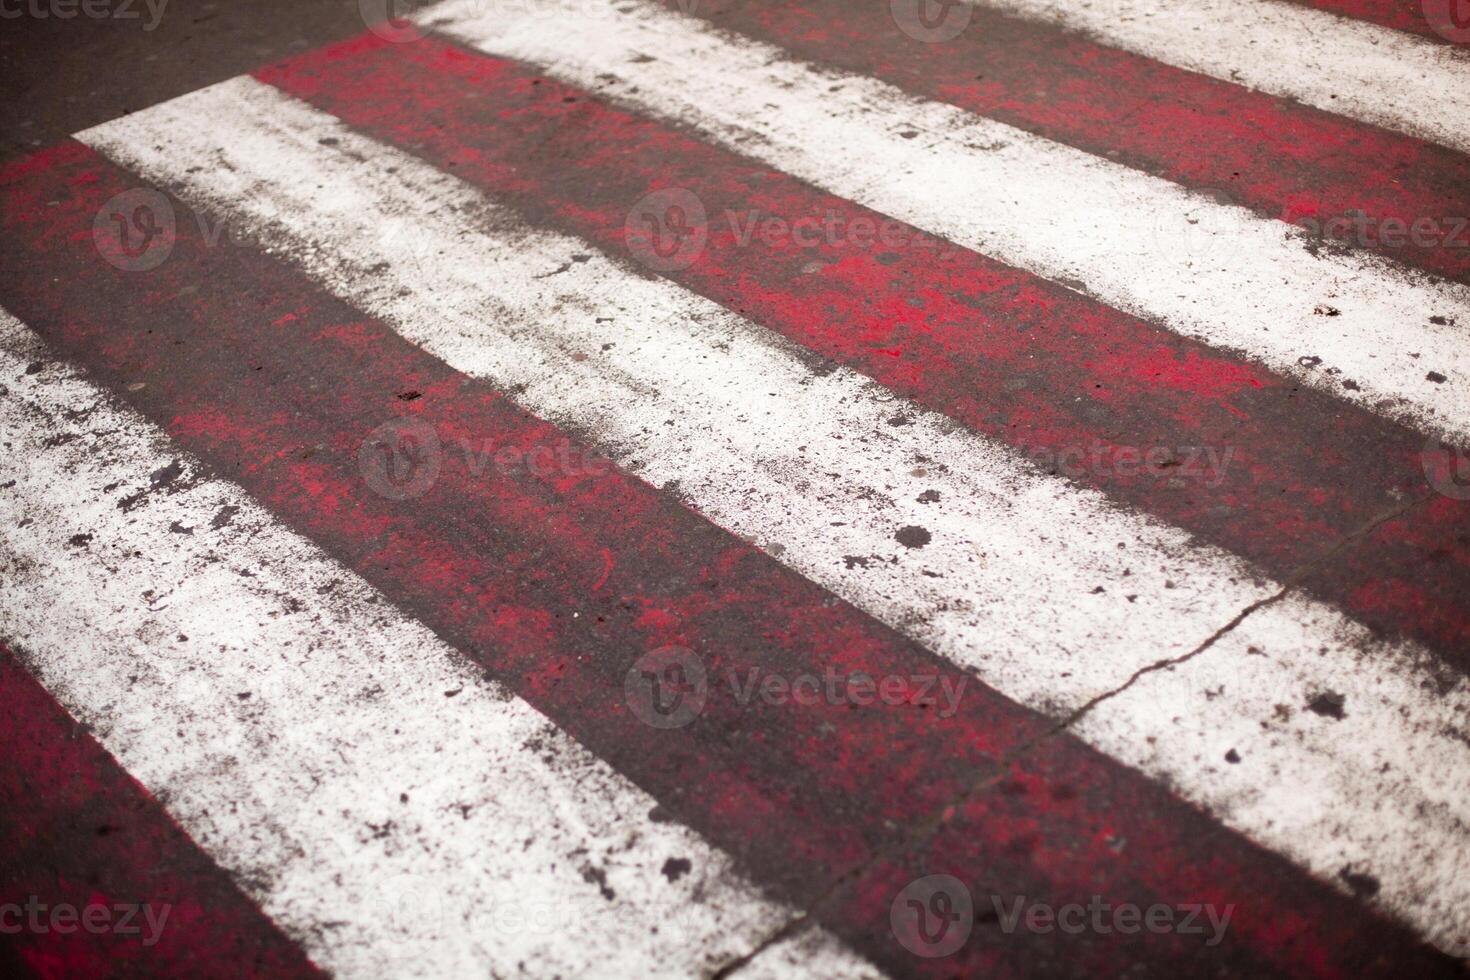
(474,363)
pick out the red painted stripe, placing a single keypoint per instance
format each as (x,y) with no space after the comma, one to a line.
(78,831)
(276,384)
(1280,158)
(1438,20)
(1010,355)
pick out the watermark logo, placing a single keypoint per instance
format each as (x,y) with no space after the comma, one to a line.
(388,19)
(1446,467)
(403,459)
(1209,220)
(667,687)
(666,230)
(408,905)
(400,459)
(138,230)
(1450,19)
(931,21)
(933,916)
(135,230)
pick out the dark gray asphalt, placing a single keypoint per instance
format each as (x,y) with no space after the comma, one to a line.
(59,74)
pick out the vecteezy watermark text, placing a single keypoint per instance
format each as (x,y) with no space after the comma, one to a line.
(402,459)
(1367,231)
(934,916)
(90,9)
(97,918)
(669,688)
(1105,918)
(1178,465)
(670,229)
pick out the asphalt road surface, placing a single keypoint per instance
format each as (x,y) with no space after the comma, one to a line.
(707,488)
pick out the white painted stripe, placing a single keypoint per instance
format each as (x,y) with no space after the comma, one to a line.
(1136,242)
(308,736)
(1349,67)
(807,463)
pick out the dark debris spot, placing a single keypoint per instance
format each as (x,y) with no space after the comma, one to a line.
(1232,756)
(223,516)
(597,876)
(929,497)
(1328,704)
(159,479)
(676,868)
(913,536)
(1363,885)
(80,540)
(408,396)
(1436,377)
